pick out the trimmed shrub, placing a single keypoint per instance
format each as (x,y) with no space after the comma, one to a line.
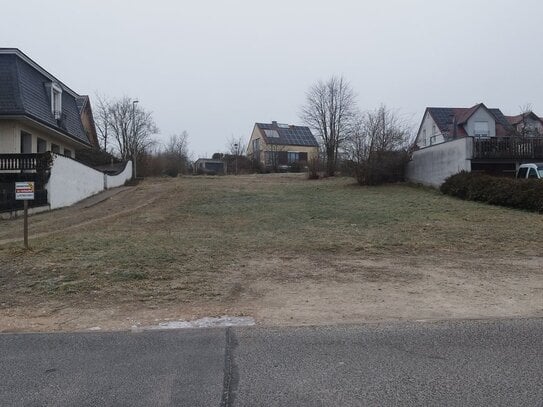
(514,193)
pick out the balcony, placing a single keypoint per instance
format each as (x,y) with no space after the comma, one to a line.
(508,148)
(24,162)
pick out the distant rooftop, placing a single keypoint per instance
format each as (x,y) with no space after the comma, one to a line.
(287,134)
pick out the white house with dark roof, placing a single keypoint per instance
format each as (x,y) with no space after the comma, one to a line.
(42,124)
(277,145)
(39,113)
(440,124)
(479,139)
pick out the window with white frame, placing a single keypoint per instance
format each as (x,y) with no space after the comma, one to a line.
(56,100)
(481,129)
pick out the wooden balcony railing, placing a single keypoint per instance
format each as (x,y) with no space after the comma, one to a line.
(526,148)
(24,162)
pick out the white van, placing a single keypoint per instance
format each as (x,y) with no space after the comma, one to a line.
(530,171)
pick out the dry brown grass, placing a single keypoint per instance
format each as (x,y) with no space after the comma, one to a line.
(220,240)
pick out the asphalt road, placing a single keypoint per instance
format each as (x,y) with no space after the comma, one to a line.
(471,363)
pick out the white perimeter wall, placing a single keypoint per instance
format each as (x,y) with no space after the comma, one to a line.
(113,181)
(431,165)
(71,181)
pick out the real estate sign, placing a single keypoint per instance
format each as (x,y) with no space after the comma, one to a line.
(24,191)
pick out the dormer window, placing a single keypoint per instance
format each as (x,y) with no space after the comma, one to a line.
(482,130)
(56,101)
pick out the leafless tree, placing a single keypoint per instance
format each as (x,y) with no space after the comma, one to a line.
(526,127)
(526,108)
(378,140)
(329,110)
(236,146)
(178,145)
(132,128)
(177,152)
(124,129)
(101,119)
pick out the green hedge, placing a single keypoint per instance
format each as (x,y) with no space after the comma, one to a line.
(510,192)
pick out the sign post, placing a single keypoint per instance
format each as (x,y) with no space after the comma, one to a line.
(24,191)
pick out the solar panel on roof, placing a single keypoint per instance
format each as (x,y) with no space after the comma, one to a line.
(271,133)
(286,134)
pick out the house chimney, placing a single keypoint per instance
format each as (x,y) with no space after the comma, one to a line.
(274,123)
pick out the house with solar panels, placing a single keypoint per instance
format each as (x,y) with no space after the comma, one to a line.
(473,139)
(278,146)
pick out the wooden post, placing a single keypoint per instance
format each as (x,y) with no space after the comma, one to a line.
(26,223)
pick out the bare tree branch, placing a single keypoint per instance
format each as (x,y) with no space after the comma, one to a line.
(236,146)
(177,152)
(330,110)
(131,130)
(101,119)
(374,138)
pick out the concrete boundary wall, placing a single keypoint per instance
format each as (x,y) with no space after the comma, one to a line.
(114,181)
(72,181)
(432,165)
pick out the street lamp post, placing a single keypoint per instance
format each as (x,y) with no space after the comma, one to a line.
(134,141)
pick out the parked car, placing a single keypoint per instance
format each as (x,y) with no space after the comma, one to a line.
(530,171)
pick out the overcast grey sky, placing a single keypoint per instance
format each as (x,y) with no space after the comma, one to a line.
(216,67)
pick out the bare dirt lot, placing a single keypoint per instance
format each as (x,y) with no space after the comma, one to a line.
(276,247)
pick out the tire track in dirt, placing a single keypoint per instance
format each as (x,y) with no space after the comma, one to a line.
(88,222)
